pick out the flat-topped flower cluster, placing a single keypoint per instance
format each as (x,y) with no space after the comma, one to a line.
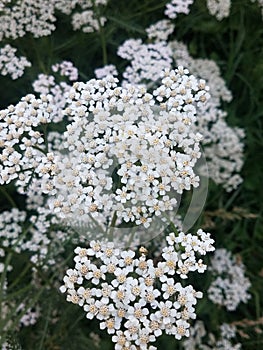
(223,145)
(38,17)
(200,339)
(126,150)
(11,64)
(230,286)
(21,144)
(134,298)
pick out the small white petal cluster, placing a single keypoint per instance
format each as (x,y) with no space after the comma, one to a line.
(33,16)
(177,6)
(140,140)
(66,68)
(11,64)
(47,85)
(10,232)
(223,144)
(30,316)
(45,239)
(66,6)
(206,68)
(11,228)
(225,154)
(22,146)
(134,299)
(219,8)
(102,72)
(147,60)
(88,20)
(38,16)
(223,342)
(230,286)
(160,30)
(57,91)
(33,234)
(43,84)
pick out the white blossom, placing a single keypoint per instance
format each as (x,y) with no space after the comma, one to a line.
(177,6)
(219,8)
(11,64)
(138,299)
(230,286)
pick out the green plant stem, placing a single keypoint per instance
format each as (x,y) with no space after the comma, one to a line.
(44,128)
(103,44)
(45,328)
(112,225)
(39,61)
(8,197)
(20,276)
(174,229)
(102,34)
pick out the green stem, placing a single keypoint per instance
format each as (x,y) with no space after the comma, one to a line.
(174,229)
(40,149)
(39,60)
(9,198)
(103,44)
(132,235)
(112,225)
(44,128)
(102,34)
(12,296)
(45,328)
(20,277)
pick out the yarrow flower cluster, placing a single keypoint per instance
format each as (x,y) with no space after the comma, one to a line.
(29,317)
(56,91)
(224,159)
(142,141)
(38,16)
(103,72)
(10,232)
(230,286)
(219,8)
(160,31)
(225,341)
(21,144)
(147,60)
(134,299)
(177,6)
(110,158)
(223,144)
(87,22)
(11,64)
(66,68)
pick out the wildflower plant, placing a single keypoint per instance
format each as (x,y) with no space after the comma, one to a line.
(114,118)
